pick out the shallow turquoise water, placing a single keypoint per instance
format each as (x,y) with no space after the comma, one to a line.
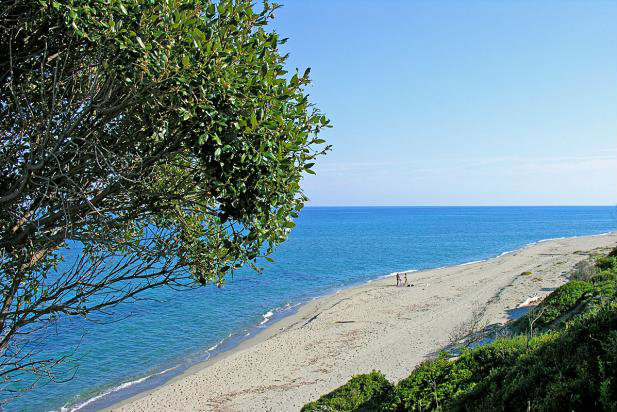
(330,248)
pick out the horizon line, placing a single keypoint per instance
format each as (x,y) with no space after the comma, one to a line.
(469,205)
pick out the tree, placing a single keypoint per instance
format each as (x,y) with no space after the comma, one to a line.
(159,140)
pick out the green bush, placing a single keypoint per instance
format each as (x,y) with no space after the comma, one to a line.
(431,384)
(362,393)
(607,263)
(606,269)
(562,300)
(573,367)
(584,270)
(605,287)
(573,370)
(436,382)
(604,276)
(558,305)
(607,366)
(569,301)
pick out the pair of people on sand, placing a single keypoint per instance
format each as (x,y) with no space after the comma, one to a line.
(399,282)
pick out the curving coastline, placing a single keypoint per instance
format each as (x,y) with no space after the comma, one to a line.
(372,326)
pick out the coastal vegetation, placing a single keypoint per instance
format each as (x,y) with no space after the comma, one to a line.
(561,355)
(162,143)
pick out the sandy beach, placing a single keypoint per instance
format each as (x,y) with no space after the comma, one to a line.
(374,326)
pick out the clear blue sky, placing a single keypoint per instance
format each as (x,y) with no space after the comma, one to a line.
(460,102)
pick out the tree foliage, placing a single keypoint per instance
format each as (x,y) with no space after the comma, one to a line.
(161,140)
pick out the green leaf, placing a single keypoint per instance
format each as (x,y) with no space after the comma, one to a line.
(210,124)
(253,120)
(199,34)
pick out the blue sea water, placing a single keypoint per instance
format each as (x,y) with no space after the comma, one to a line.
(331,248)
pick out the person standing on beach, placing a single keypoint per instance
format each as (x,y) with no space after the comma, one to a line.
(398,279)
(405,284)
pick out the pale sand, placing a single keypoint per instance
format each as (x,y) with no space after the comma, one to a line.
(375,326)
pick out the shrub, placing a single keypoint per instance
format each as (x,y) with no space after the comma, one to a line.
(431,384)
(607,263)
(562,301)
(435,383)
(608,372)
(362,392)
(572,370)
(583,270)
(604,276)
(559,304)
(607,269)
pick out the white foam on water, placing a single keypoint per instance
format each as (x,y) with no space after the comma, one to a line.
(281,308)
(211,348)
(506,252)
(291,306)
(562,237)
(603,234)
(471,263)
(408,271)
(555,238)
(266,317)
(112,390)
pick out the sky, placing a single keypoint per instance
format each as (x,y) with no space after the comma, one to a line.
(460,102)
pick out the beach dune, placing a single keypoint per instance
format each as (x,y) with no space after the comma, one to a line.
(374,326)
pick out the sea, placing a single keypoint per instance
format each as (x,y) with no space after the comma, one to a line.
(144,344)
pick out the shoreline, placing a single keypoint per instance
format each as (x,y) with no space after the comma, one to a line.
(234,340)
(180,386)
